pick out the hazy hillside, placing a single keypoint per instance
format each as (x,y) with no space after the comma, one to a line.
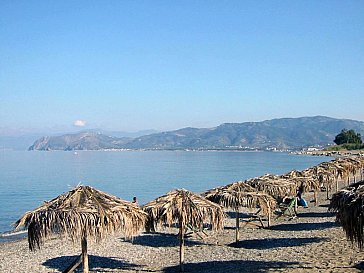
(79,141)
(285,133)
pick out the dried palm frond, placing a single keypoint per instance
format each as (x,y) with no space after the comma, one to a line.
(277,188)
(348,204)
(236,186)
(82,212)
(235,199)
(323,175)
(184,207)
(351,164)
(306,183)
(293,174)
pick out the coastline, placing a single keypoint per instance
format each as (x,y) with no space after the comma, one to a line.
(330,153)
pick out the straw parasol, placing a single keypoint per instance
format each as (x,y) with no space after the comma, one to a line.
(238,185)
(305,181)
(348,204)
(350,165)
(234,196)
(274,186)
(184,208)
(81,214)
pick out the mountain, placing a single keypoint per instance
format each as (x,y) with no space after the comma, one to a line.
(119,134)
(284,133)
(79,141)
(128,134)
(11,139)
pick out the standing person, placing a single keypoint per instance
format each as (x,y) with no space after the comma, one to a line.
(301,201)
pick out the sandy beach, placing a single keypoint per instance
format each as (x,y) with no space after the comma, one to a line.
(312,242)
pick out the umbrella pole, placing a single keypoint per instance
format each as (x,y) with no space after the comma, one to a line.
(237,225)
(337,185)
(84,254)
(315,197)
(181,247)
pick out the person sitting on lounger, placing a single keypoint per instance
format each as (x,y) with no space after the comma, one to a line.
(286,200)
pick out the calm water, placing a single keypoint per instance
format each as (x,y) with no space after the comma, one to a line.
(29,178)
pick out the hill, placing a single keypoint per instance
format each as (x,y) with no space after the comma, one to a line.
(79,141)
(281,134)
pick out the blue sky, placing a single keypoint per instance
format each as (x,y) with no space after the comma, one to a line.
(134,65)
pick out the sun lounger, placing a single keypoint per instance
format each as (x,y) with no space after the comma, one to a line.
(256,219)
(191,230)
(288,210)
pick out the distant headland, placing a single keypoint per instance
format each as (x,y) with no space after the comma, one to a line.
(284,134)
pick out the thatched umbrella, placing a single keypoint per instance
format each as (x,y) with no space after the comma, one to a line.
(336,169)
(275,187)
(82,213)
(356,165)
(325,176)
(235,197)
(305,181)
(184,208)
(351,165)
(238,185)
(348,204)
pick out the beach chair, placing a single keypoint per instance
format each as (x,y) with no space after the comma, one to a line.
(191,230)
(254,219)
(288,210)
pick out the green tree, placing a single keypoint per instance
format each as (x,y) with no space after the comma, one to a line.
(348,136)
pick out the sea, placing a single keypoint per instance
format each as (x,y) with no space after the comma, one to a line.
(28,178)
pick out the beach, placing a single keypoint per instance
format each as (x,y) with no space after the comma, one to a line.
(312,242)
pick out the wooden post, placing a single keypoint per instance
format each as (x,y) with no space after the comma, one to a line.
(269,215)
(337,184)
(181,247)
(84,254)
(237,225)
(295,205)
(315,197)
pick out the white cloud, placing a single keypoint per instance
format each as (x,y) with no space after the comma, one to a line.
(79,123)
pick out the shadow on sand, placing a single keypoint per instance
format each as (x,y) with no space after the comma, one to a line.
(162,240)
(96,263)
(242,215)
(360,266)
(304,226)
(275,242)
(231,266)
(315,214)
